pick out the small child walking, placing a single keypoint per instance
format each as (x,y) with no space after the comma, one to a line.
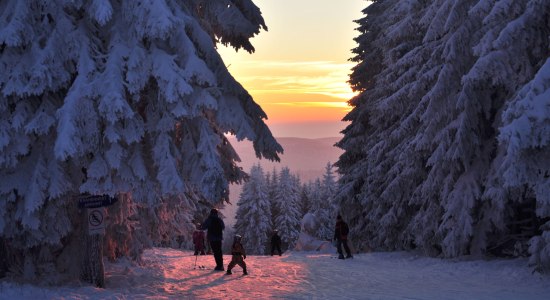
(238,255)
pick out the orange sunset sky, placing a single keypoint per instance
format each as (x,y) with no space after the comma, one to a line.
(300,69)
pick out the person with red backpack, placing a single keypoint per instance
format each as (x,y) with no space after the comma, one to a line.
(341,236)
(198,240)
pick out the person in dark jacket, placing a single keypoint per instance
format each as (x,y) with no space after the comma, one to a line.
(215,226)
(275,242)
(238,255)
(341,231)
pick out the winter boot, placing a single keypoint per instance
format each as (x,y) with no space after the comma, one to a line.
(245,272)
(349,256)
(341,256)
(228,272)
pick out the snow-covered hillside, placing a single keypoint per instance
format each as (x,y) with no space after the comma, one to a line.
(170,274)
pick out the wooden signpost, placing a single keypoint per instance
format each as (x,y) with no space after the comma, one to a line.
(94,214)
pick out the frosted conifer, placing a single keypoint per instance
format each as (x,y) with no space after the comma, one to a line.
(287,204)
(445,151)
(119,98)
(253,219)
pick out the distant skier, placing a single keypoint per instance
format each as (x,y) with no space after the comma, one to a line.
(198,240)
(215,226)
(238,255)
(275,242)
(341,231)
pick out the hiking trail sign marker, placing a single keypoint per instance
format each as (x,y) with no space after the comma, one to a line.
(92,201)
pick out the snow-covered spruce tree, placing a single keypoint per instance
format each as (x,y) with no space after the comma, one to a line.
(272,182)
(315,195)
(508,42)
(513,48)
(527,162)
(452,134)
(253,219)
(305,202)
(287,205)
(431,173)
(117,97)
(328,192)
(321,196)
(380,167)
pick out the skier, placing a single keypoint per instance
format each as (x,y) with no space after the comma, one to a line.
(341,236)
(198,240)
(238,255)
(275,242)
(215,226)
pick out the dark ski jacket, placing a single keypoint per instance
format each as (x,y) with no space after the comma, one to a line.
(341,230)
(238,249)
(275,240)
(215,227)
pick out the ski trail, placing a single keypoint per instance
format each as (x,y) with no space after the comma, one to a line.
(404,276)
(171,276)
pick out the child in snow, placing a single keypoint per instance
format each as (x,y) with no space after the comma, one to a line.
(198,240)
(238,255)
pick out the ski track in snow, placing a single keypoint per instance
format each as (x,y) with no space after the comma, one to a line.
(171,274)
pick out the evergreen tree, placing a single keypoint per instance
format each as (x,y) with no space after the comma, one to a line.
(526,164)
(305,202)
(423,165)
(315,196)
(287,204)
(326,210)
(389,57)
(118,98)
(253,219)
(272,187)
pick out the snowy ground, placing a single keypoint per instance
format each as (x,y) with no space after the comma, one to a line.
(170,274)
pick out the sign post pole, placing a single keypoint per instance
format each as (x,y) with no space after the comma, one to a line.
(92,269)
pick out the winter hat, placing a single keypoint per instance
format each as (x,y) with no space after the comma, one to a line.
(339,217)
(237,237)
(213,211)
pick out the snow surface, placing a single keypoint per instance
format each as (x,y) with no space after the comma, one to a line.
(170,274)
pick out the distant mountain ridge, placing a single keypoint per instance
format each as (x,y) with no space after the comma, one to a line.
(303,156)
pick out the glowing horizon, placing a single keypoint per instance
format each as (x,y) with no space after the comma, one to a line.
(300,69)
(307,77)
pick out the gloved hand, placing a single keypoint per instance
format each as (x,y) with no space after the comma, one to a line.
(244,256)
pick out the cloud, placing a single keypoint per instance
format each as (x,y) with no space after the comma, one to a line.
(315,104)
(296,77)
